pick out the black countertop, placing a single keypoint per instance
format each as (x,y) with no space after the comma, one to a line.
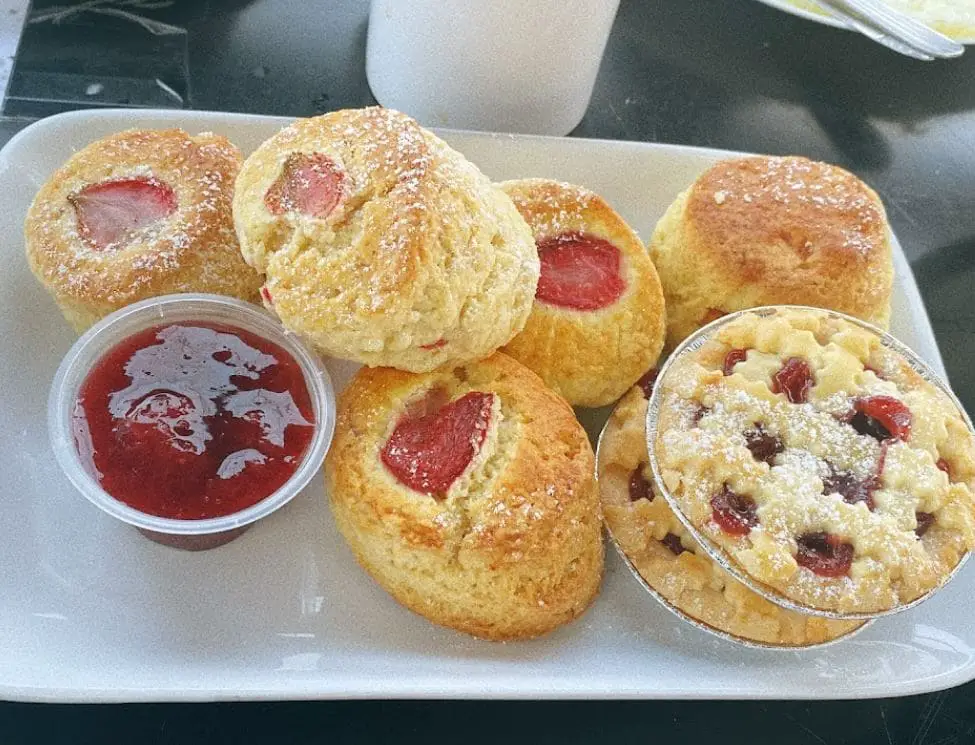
(717,73)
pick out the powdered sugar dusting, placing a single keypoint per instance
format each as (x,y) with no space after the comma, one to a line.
(809,205)
(199,170)
(819,443)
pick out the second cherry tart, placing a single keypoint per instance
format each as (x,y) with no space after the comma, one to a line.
(816,462)
(668,559)
(468,493)
(598,319)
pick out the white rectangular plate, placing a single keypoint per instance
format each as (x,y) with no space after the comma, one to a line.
(91,611)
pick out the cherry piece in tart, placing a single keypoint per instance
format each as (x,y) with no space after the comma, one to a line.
(794,379)
(848,486)
(111,211)
(646,382)
(733,358)
(924,521)
(881,417)
(824,554)
(429,450)
(672,541)
(735,514)
(945,466)
(579,271)
(310,183)
(640,488)
(763,445)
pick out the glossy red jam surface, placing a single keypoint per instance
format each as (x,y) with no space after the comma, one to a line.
(194,421)
(579,271)
(434,441)
(110,211)
(311,184)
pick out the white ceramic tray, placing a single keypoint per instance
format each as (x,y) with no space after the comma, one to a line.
(91,611)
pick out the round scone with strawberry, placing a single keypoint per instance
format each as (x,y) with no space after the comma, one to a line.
(769,230)
(598,320)
(469,494)
(135,215)
(382,245)
(672,563)
(810,455)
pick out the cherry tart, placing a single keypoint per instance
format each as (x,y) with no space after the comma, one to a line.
(668,559)
(469,495)
(811,455)
(135,215)
(598,319)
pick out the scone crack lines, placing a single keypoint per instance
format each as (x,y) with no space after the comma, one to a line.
(406,251)
(822,492)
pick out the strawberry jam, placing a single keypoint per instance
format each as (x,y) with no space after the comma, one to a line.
(194,420)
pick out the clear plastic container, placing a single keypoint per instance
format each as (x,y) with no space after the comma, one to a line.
(207,533)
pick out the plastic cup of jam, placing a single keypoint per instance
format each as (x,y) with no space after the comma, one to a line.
(190,417)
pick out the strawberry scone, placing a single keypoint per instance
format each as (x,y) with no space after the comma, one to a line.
(469,494)
(135,215)
(597,323)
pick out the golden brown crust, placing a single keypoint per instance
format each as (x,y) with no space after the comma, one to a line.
(514,549)
(773,230)
(702,450)
(421,263)
(690,581)
(589,357)
(193,250)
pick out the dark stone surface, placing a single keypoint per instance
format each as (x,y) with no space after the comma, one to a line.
(714,73)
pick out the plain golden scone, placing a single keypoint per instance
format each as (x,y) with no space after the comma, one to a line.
(382,245)
(669,559)
(770,231)
(818,462)
(469,494)
(135,215)
(598,320)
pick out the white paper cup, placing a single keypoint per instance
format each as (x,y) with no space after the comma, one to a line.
(524,66)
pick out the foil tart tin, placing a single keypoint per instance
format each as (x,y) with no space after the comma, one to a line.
(697,623)
(694,342)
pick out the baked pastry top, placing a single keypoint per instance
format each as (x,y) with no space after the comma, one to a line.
(669,559)
(469,494)
(773,230)
(138,214)
(598,319)
(381,244)
(818,461)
